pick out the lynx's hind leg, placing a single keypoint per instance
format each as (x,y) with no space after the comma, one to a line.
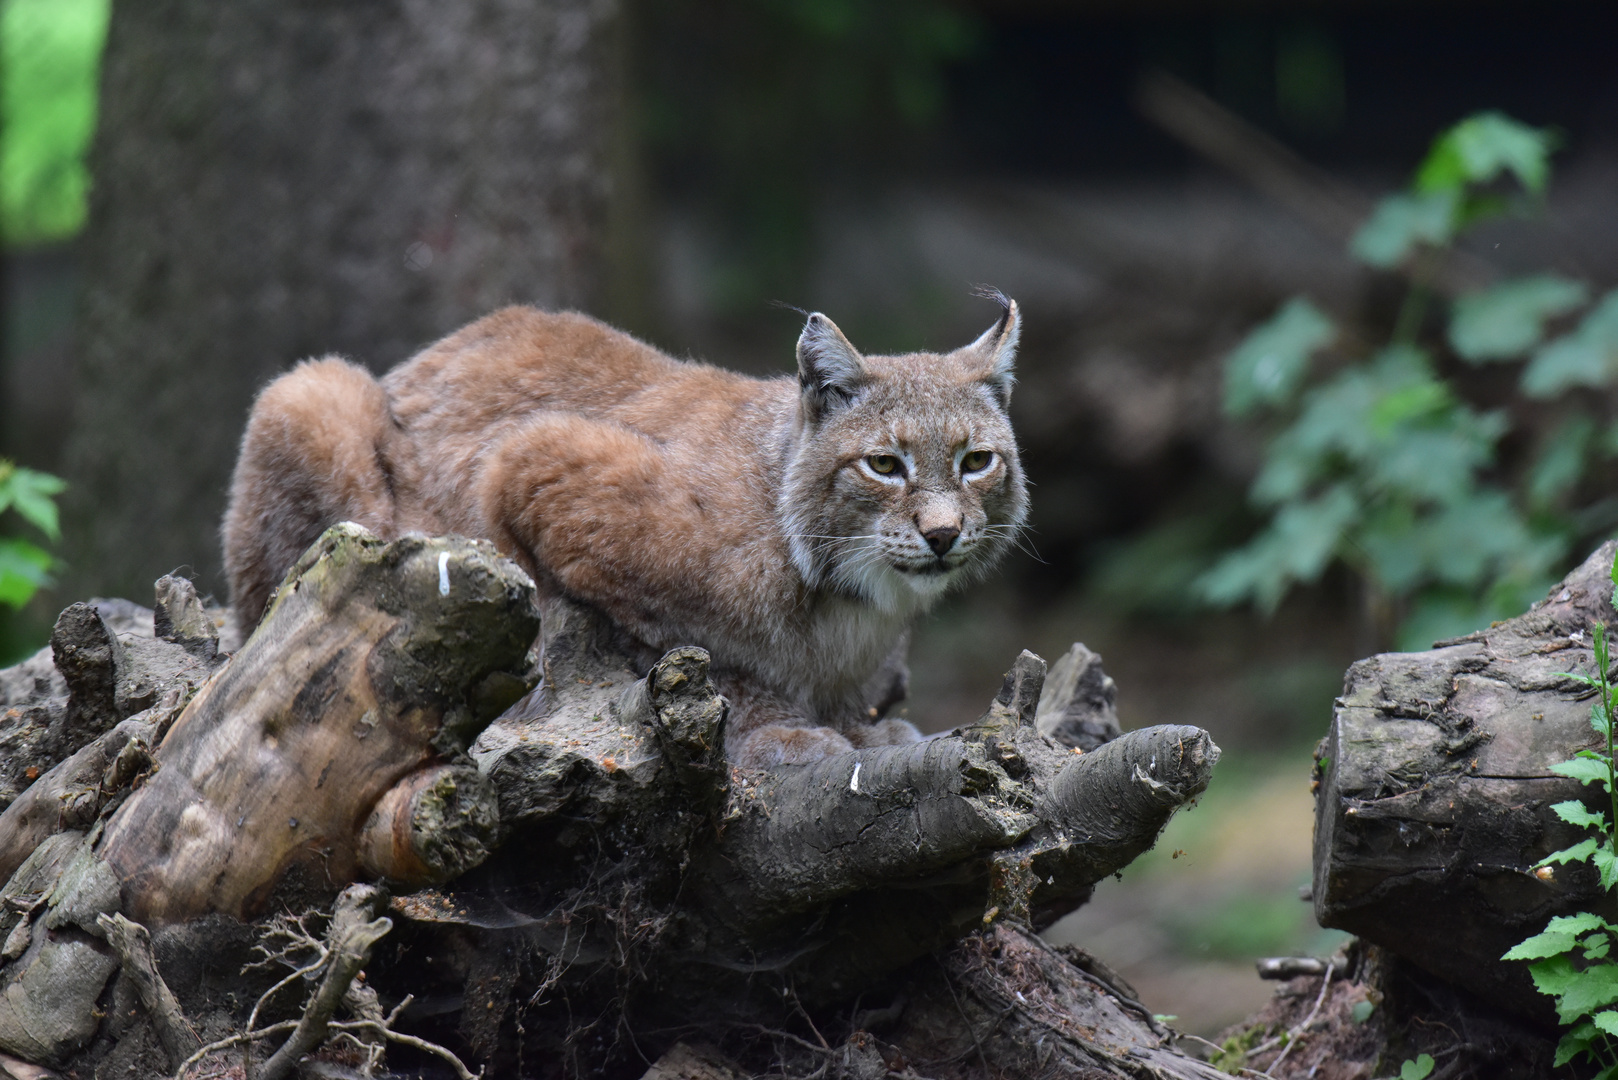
(313,455)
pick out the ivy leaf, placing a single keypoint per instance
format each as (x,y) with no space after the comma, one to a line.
(1401,222)
(1480,148)
(1509,319)
(1268,367)
(1585,357)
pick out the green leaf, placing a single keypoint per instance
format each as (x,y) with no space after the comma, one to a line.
(1579,852)
(1400,223)
(1577,1040)
(1585,991)
(1268,367)
(1418,1069)
(1576,813)
(1584,770)
(1606,1020)
(1480,148)
(49,55)
(24,570)
(29,492)
(1606,864)
(1561,461)
(1585,357)
(1541,946)
(1509,319)
(1361,1011)
(1297,546)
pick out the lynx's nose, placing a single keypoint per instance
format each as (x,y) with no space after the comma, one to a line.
(941,539)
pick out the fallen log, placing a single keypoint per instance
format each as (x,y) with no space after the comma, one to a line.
(1433,809)
(594,863)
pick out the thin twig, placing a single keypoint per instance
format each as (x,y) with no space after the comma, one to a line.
(1297,1032)
(408,1040)
(233,1040)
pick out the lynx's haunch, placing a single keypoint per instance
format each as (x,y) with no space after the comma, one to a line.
(793,528)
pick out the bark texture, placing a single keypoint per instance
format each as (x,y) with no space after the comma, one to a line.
(602,883)
(276,181)
(1434,804)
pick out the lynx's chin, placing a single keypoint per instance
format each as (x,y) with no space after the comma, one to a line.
(898,590)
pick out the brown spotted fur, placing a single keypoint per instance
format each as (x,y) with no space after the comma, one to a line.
(693,505)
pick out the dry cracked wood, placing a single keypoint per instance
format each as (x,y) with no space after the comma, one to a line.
(374,662)
(824,877)
(630,861)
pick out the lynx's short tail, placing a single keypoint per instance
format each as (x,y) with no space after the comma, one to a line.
(315,453)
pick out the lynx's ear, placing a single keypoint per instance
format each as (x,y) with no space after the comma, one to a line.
(830,370)
(997,348)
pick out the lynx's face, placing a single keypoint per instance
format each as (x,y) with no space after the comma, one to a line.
(905,477)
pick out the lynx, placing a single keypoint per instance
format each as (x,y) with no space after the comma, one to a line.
(793,528)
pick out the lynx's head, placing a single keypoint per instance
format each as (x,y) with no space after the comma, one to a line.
(902,477)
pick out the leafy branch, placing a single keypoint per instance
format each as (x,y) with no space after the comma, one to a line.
(1379,461)
(1572,958)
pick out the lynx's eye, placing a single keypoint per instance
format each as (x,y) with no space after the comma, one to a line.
(977,461)
(884,464)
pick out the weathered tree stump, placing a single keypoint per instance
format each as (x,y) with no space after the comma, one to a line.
(601,883)
(1433,808)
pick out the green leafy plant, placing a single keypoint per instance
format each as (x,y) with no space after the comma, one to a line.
(1572,959)
(1378,459)
(25,567)
(1419,1069)
(50,56)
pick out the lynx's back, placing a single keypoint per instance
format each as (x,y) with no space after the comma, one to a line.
(794,528)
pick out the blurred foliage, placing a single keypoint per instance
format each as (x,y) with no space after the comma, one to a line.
(1246,926)
(749,108)
(50,57)
(24,566)
(1381,462)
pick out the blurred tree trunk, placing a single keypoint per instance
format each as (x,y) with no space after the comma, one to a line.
(279,180)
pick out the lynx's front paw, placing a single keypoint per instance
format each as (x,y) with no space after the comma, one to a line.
(777,744)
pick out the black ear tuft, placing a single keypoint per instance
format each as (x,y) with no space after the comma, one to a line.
(830,370)
(997,348)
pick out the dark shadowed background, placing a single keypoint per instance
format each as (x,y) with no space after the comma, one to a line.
(276,179)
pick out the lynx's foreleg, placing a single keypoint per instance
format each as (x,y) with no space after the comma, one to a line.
(314,454)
